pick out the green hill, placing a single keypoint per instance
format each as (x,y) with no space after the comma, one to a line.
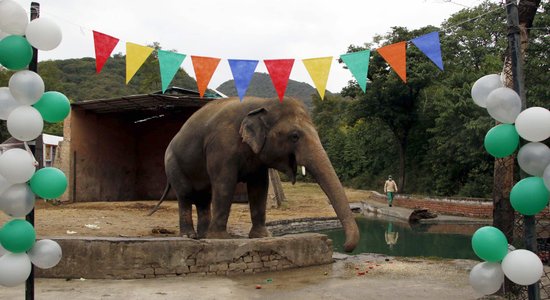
(261,86)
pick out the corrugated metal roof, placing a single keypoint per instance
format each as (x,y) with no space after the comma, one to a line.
(175,99)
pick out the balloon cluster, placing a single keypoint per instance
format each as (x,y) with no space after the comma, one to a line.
(26,106)
(529,196)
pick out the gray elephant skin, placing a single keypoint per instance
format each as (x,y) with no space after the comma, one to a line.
(228,141)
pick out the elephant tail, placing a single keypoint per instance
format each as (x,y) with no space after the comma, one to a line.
(166,190)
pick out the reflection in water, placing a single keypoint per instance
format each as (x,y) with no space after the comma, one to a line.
(391,236)
(380,236)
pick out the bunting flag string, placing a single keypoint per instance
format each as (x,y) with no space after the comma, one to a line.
(279,69)
(135,57)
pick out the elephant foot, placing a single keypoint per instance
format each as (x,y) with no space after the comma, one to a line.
(259,232)
(218,235)
(189,234)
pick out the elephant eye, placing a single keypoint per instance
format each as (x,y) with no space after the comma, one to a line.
(294,136)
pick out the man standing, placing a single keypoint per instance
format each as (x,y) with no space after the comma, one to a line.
(390,187)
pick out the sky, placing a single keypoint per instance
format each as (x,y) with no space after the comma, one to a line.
(240,29)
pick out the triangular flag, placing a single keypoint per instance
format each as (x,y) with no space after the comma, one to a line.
(242,71)
(135,57)
(395,55)
(279,71)
(204,69)
(358,64)
(104,45)
(318,69)
(169,64)
(429,45)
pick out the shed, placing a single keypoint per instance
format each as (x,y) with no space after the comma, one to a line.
(113,149)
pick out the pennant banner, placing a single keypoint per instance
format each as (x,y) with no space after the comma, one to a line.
(104,45)
(358,64)
(135,57)
(318,69)
(396,56)
(242,71)
(169,64)
(204,69)
(429,45)
(279,71)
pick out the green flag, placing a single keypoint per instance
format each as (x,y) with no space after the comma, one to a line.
(169,63)
(358,64)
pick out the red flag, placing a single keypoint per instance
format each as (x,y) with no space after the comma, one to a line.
(279,70)
(395,55)
(104,45)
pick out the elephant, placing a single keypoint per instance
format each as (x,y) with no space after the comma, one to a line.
(229,141)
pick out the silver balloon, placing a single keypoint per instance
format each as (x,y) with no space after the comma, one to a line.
(45,254)
(17,201)
(15,268)
(533,158)
(483,87)
(7,103)
(2,250)
(17,165)
(486,278)
(4,184)
(504,105)
(26,86)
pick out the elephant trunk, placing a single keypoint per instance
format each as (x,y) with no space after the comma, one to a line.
(319,166)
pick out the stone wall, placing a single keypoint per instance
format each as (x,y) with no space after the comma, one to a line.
(467,207)
(127,258)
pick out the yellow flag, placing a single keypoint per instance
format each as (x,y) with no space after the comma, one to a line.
(135,57)
(318,69)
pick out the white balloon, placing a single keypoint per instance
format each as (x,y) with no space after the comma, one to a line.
(546,177)
(43,34)
(7,103)
(45,254)
(533,158)
(13,18)
(17,165)
(26,87)
(25,123)
(3,35)
(15,268)
(483,87)
(486,278)
(522,267)
(533,124)
(17,201)
(504,105)
(2,250)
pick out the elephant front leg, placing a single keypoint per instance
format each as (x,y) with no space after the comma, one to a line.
(257,198)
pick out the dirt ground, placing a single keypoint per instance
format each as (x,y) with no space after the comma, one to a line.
(129,219)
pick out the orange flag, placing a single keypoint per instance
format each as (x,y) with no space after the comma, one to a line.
(395,56)
(204,69)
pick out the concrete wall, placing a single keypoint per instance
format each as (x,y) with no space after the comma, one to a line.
(126,258)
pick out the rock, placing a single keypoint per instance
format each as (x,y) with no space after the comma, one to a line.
(419,214)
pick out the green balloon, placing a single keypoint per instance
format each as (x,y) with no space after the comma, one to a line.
(17,236)
(501,140)
(48,183)
(53,106)
(490,244)
(15,52)
(529,196)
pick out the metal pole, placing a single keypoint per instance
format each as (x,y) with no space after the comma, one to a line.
(33,66)
(529,225)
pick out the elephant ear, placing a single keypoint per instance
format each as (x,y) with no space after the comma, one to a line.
(253,129)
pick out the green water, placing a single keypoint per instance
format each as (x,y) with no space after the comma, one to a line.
(400,239)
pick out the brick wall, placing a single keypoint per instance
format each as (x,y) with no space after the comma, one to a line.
(467,207)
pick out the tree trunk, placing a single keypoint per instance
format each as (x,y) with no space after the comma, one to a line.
(276,194)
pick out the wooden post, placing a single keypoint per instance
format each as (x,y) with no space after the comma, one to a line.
(276,187)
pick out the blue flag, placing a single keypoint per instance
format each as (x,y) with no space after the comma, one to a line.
(242,71)
(429,45)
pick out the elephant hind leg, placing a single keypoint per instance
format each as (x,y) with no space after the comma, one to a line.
(204,215)
(186,220)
